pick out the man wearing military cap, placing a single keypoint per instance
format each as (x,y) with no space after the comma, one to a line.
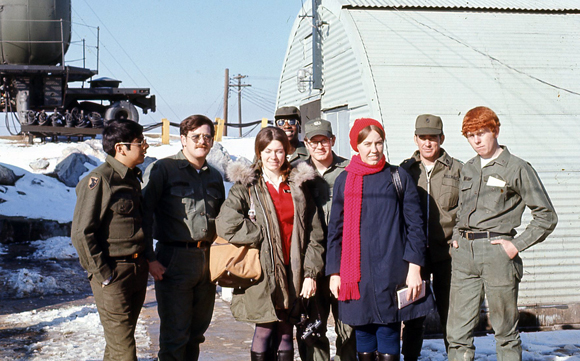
(319,141)
(436,174)
(108,236)
(288,119)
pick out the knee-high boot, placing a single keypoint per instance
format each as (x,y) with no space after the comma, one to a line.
(286,355)
(258,356)
(388,357)
(367,356)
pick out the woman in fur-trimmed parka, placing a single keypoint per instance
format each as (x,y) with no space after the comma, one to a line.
(270,208)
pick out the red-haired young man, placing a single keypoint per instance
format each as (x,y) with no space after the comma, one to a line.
(495,189)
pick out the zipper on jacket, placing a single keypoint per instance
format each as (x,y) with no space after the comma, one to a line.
(267,228)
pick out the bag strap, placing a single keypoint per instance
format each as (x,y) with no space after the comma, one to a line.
(306,303)
(252,210)
(397,182)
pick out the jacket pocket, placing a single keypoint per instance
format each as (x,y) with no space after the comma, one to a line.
(182,191)
(122,223)
(214,201)
(449,194)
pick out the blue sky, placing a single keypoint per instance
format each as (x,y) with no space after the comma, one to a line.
(180,49)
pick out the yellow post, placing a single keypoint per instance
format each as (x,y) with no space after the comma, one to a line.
(164,131)
(264,122)
(219,129)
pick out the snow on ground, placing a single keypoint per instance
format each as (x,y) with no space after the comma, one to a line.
(42,197)
(74,333)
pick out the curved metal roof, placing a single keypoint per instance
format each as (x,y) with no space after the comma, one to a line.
(516,5)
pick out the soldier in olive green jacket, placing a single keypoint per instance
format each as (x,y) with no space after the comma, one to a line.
(495,189)
(182,197)
(436,174)
(288,119)
(319,141)
(108,236)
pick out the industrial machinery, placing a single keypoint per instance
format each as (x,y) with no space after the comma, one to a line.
(36,83)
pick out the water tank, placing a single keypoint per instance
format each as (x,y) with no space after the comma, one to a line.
(31,31)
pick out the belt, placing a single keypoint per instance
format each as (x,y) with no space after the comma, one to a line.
(130,258)
(195,244)
(478,235)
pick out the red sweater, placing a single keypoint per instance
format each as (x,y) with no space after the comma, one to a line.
(284,206)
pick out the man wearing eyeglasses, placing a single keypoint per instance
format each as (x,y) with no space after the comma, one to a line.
(319,141)
(108,236)
(182,196)
(288,119)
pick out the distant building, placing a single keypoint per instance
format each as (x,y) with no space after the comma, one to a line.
(395,59)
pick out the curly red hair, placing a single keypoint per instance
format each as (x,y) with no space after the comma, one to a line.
(479,118)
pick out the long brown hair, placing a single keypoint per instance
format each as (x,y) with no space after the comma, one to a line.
(263,139)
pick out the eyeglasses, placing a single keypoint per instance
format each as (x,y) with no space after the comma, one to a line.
(141,144)
(314,144)
(196,137)
(280,122)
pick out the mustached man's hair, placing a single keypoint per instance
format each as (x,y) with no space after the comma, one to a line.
(193,122)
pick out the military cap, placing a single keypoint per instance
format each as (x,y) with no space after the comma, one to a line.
(316,127)
(427,124)
(289,112)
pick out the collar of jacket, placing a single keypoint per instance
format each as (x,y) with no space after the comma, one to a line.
(337,161)
(243,173)
(444,158)
(184,162)
(502,159)
(121,168)
(300,152)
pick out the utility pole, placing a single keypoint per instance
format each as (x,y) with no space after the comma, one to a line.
(226,96)
(240,85)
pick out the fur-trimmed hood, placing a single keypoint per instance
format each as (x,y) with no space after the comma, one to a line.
(243,173)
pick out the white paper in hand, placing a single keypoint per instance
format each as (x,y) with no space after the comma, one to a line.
(402,296)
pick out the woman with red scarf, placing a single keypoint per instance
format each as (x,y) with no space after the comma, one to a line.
(376,245)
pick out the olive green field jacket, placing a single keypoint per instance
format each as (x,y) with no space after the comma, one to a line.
(279,286)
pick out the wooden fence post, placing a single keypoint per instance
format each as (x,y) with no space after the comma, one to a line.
(164,131)
(219,129)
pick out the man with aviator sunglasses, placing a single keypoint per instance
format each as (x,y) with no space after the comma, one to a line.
(288,119)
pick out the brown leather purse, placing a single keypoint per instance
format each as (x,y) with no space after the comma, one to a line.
(236,266)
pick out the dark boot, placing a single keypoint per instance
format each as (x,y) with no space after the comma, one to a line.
(286,355)
(388,357)
(258,356)
(367,356)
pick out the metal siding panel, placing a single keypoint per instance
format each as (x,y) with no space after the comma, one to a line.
(341,72)
(544,5)
(298,56)
(435,69)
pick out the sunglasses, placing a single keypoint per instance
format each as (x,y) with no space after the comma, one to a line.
(280,122)
(196,137)
(141,144)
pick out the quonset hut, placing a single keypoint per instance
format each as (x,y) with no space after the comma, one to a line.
(395,59)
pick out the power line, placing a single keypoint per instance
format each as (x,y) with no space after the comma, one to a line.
(261,97)
(134,64)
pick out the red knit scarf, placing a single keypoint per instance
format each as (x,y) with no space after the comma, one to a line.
(350,256)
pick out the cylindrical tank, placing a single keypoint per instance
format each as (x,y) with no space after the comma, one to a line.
(26,26)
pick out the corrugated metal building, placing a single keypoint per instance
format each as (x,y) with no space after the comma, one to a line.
(393,60)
